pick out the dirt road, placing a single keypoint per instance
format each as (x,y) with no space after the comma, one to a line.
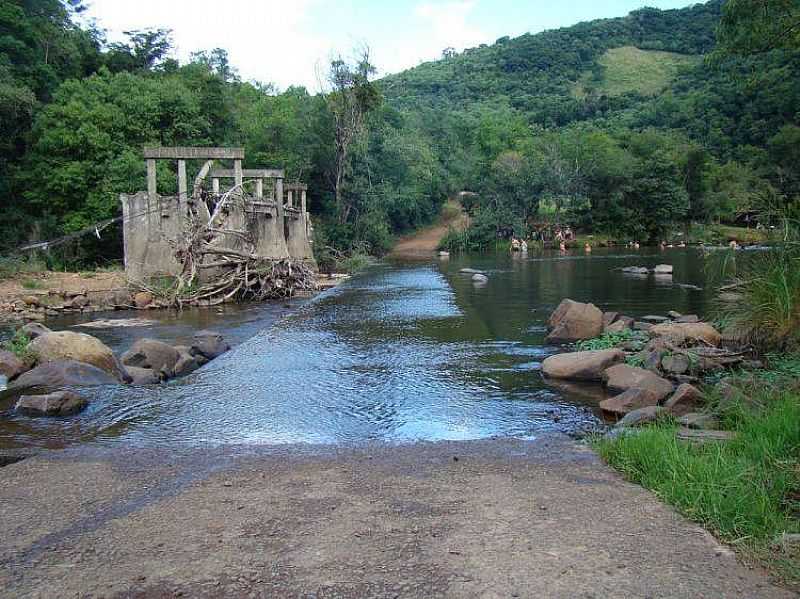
(488,519)
(425,241)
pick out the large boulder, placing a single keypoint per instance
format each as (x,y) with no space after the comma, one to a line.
(209,344)
(630,400)
(622,377)
(573,321)
(681,332)
(10,365)
(59,403)
(66,345)
(52,376)
(153,354)
(187,363)
(582,365)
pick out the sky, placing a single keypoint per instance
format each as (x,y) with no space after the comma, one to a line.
(288,42)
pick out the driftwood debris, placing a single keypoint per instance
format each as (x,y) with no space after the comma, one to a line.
(219,262)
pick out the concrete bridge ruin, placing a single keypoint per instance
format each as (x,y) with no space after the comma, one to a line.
(262,215)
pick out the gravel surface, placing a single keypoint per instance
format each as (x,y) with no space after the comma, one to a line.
(488,519)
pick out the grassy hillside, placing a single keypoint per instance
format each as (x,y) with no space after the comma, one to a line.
(630,69)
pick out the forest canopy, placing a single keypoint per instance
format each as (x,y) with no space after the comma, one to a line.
(633,127)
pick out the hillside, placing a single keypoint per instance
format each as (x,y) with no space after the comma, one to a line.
(632,70)
(522,69)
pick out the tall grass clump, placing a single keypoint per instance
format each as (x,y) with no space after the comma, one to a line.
(767,315)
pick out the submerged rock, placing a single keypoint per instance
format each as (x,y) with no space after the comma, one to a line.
(663,269)
(52,376)
(573,321)
(80,347)
(209,344)
(583,365)
(479,278)
(59,403)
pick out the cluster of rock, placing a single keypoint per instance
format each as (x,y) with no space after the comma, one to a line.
(654,369)
(54,360)
(477,276)
(659,270)
(37,306)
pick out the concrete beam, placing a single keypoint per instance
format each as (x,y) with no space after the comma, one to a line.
(190,153)
(151,178)
(249,173)
(295,186)
(237,172)
(182,184)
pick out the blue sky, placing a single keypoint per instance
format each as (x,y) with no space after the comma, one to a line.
(288,42)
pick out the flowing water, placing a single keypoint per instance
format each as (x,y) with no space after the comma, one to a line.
(404,351)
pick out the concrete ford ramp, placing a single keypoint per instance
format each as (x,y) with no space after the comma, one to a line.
(482,519)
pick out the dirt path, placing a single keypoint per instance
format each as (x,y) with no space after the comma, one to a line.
(427,240)
(488,519)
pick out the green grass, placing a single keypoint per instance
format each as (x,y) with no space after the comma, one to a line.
(746,491)
(13,266)
(629,69)
(18,345)
(768,315)
(722,234)
(607,340)
(31,284)
(354,263)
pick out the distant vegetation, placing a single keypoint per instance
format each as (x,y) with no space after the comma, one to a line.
(657,138)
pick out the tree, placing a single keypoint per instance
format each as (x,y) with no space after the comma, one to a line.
(755,26)
(353,96)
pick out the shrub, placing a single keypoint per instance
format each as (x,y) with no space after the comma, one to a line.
(768,313)
(607,340)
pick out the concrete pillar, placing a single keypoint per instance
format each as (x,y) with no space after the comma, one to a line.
(215,185)
(237,172)
(290,198)
(303,201)
(182,185)
(279,199)
(152,189)
(259,188)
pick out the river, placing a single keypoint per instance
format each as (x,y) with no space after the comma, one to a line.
(404,351)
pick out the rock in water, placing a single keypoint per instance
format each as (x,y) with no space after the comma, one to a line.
(209,344)
(143,376)
(573,321)
(80,347)
(153,354)
(635,270)
(681,332)
(60,403)
(479,278)
(582,365)
(143,299)
(663,269)
(10,365)
(34,330)
(52,376)
(622,377)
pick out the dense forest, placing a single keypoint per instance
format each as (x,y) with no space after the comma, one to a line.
(633,127)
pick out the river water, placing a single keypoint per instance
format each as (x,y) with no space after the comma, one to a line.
(404,351)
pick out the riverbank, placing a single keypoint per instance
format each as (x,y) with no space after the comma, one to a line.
(421,243)
(495,518)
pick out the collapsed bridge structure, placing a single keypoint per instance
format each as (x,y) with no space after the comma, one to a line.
(209,237)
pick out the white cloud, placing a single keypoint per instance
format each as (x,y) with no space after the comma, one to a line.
(447,25)
(269,40)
